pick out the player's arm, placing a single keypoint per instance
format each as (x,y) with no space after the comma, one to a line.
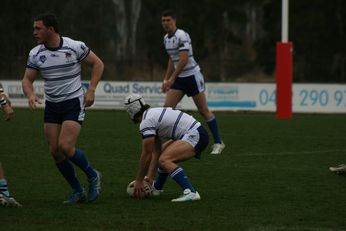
(148,145)
(154,161)
(183,60)
(5,104)
(97,67)
(28,87)
(173,73)
(170,69)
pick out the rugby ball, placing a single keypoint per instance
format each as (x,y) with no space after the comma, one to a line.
(147,189)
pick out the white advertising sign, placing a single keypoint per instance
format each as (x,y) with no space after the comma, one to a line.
(314,98)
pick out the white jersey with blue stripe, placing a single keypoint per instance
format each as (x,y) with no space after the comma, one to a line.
(167,123)
(60,68)
(180,41)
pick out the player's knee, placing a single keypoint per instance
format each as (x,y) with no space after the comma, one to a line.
(166,163)
(53,150)
(65,148)
(163,162)
(56,154)
(58,157)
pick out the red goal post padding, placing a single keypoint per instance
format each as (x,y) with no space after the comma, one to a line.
(283,80)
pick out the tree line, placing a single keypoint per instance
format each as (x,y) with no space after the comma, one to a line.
(233,40)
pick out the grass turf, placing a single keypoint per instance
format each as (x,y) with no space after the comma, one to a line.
(273,175)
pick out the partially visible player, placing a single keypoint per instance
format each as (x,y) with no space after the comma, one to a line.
(5,197)
(59,60)
(340,169)
(5,104)
(184,77)
(186,139)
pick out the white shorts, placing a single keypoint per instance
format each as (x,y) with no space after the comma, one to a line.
(198,138)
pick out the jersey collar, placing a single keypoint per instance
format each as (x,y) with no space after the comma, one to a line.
(56,48)
(171,35)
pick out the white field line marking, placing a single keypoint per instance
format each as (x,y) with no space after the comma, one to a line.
(290,228)
(291,153)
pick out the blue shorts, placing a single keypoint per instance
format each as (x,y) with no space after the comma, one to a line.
(202,143)
(71,109)
(190,85)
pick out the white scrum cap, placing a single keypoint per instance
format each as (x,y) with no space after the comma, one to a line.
(133,104)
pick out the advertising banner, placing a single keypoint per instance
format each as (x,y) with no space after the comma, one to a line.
(312,98)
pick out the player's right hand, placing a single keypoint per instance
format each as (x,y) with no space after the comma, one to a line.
(166,85)
(33,100)
(8,111)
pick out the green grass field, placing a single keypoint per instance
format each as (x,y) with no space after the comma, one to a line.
(273,175)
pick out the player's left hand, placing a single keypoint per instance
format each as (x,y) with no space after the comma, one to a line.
(89,98)
(149,180)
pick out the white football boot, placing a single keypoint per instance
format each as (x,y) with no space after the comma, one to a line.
(188,196)
(218,148)
(156,192)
